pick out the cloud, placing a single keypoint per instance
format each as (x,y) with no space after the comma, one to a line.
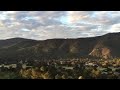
(76,16)
(115,28)
(43,25)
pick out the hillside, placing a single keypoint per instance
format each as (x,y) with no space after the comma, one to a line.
(16,49)
(108,46)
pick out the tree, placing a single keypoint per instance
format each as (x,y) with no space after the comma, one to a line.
(57,76)
(95,73)
(26,73)
(86,73)
(47,75)
(64,76)
(43,68)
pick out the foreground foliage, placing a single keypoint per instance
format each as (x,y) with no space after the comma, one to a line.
(64,69)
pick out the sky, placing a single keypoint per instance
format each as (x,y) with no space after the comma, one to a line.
(42,25)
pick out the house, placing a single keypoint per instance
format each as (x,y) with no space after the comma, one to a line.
(66,68)
(117,73)
(9,66)
(13,65)
(104,73)
(90,64)
(24,66)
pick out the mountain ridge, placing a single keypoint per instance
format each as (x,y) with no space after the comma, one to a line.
(105,46)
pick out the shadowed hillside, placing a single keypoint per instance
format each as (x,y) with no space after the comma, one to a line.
(15,49)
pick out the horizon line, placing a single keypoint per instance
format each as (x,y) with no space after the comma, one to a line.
(59,38)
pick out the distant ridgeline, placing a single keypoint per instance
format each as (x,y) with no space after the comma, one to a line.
(15,49)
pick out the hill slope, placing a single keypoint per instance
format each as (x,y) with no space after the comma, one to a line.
(108,46)
(15,49)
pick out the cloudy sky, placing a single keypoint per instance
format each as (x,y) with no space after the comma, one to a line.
(43,25)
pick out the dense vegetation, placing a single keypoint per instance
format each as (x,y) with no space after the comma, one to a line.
(63,69)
